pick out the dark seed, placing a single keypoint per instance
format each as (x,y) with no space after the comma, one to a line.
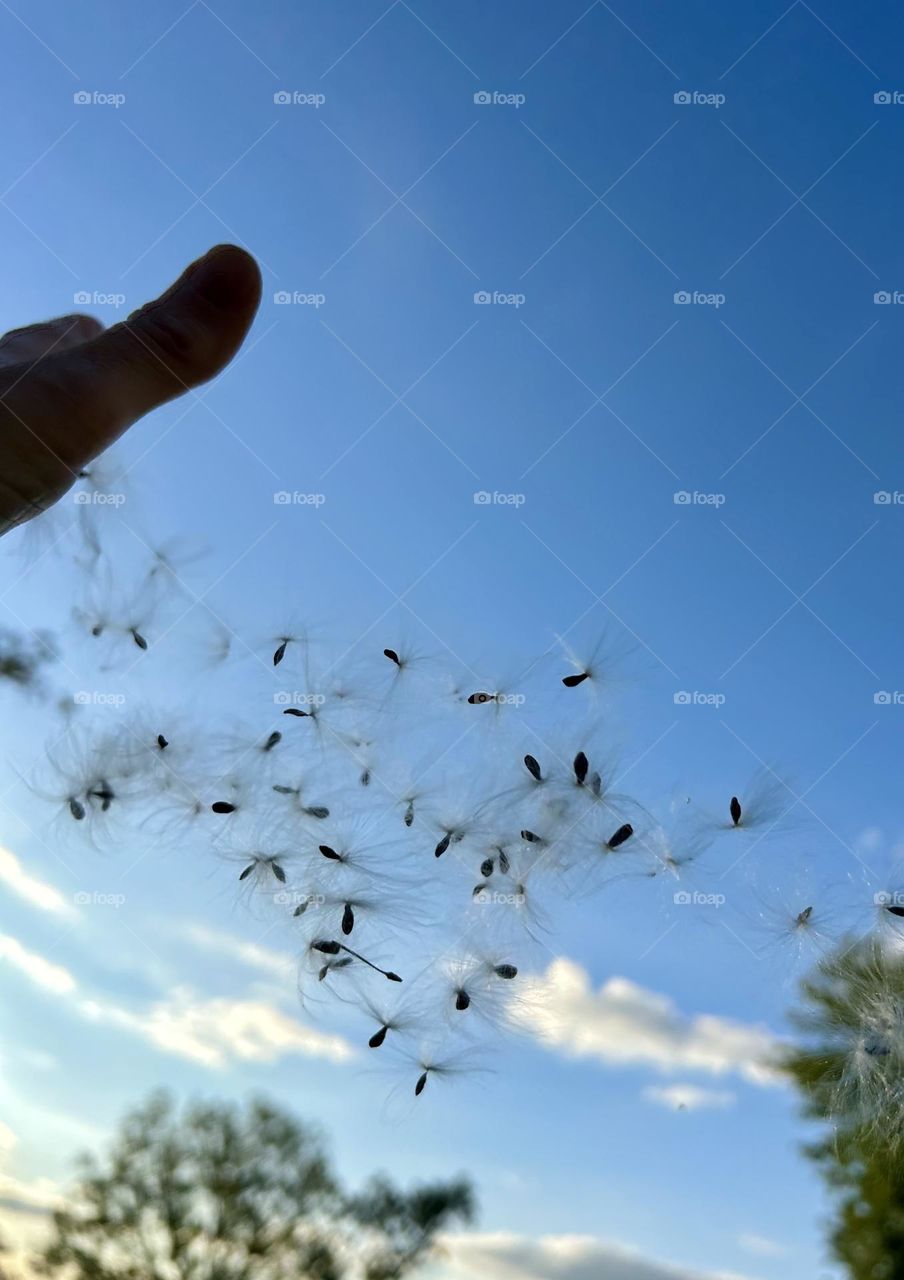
(330,853)
(409,814)
(301,909)
(271,742)
(295,711)
(735,810)
(162,742)
(507,971)
(222,806)
(317,811)
(596,784)
(365,778)
(377,1038)
(280,653)
(896,911)
(804,916)
(76,808)
(478,699)
(393,977)
(348,919)
(278,872)
(486,868)
(580,766)
(247,872)
(462,1000)
(442,846)
(97,629)
(504,863)
(572,682)
(419,1087)
(327,948)
(139,639)
(393,657)
(533,767)
(620,836)
(323,972)
(285,791)
(530,836)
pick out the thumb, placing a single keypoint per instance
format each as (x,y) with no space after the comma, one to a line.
(170,345)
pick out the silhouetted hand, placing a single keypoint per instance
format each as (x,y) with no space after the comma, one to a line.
(69,387)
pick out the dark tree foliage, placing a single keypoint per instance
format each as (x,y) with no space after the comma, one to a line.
(848,1069)
(223,1193)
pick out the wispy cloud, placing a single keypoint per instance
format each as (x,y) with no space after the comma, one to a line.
(220,1031)
(211,1031)
(762,1246)
(43,973)
(689,1097)
(37,893)
(512,1257)
(250,954)
(623,1023)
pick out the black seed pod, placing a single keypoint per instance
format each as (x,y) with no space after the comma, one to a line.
(462,1000)
(507,971)
(222,806)
(392,656)
(581,765)
(378,1037)
(442,846)
(735,810)
(348,919)
(280,653)
(533,767)
(486,868)
(619,837)
(572,682)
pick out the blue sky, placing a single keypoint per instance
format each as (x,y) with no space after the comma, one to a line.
(582,199)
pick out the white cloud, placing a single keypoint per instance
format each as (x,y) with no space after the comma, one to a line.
(38,893)
(623,1024)
(219,1031)
(506,1256)
(52,977)
(761,1245)
(689,1097)
(251,954)
(213,1032)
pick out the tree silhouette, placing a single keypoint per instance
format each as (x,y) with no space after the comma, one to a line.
(224,1193)
(849,1068)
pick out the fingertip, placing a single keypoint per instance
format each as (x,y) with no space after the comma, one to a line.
(228,276)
